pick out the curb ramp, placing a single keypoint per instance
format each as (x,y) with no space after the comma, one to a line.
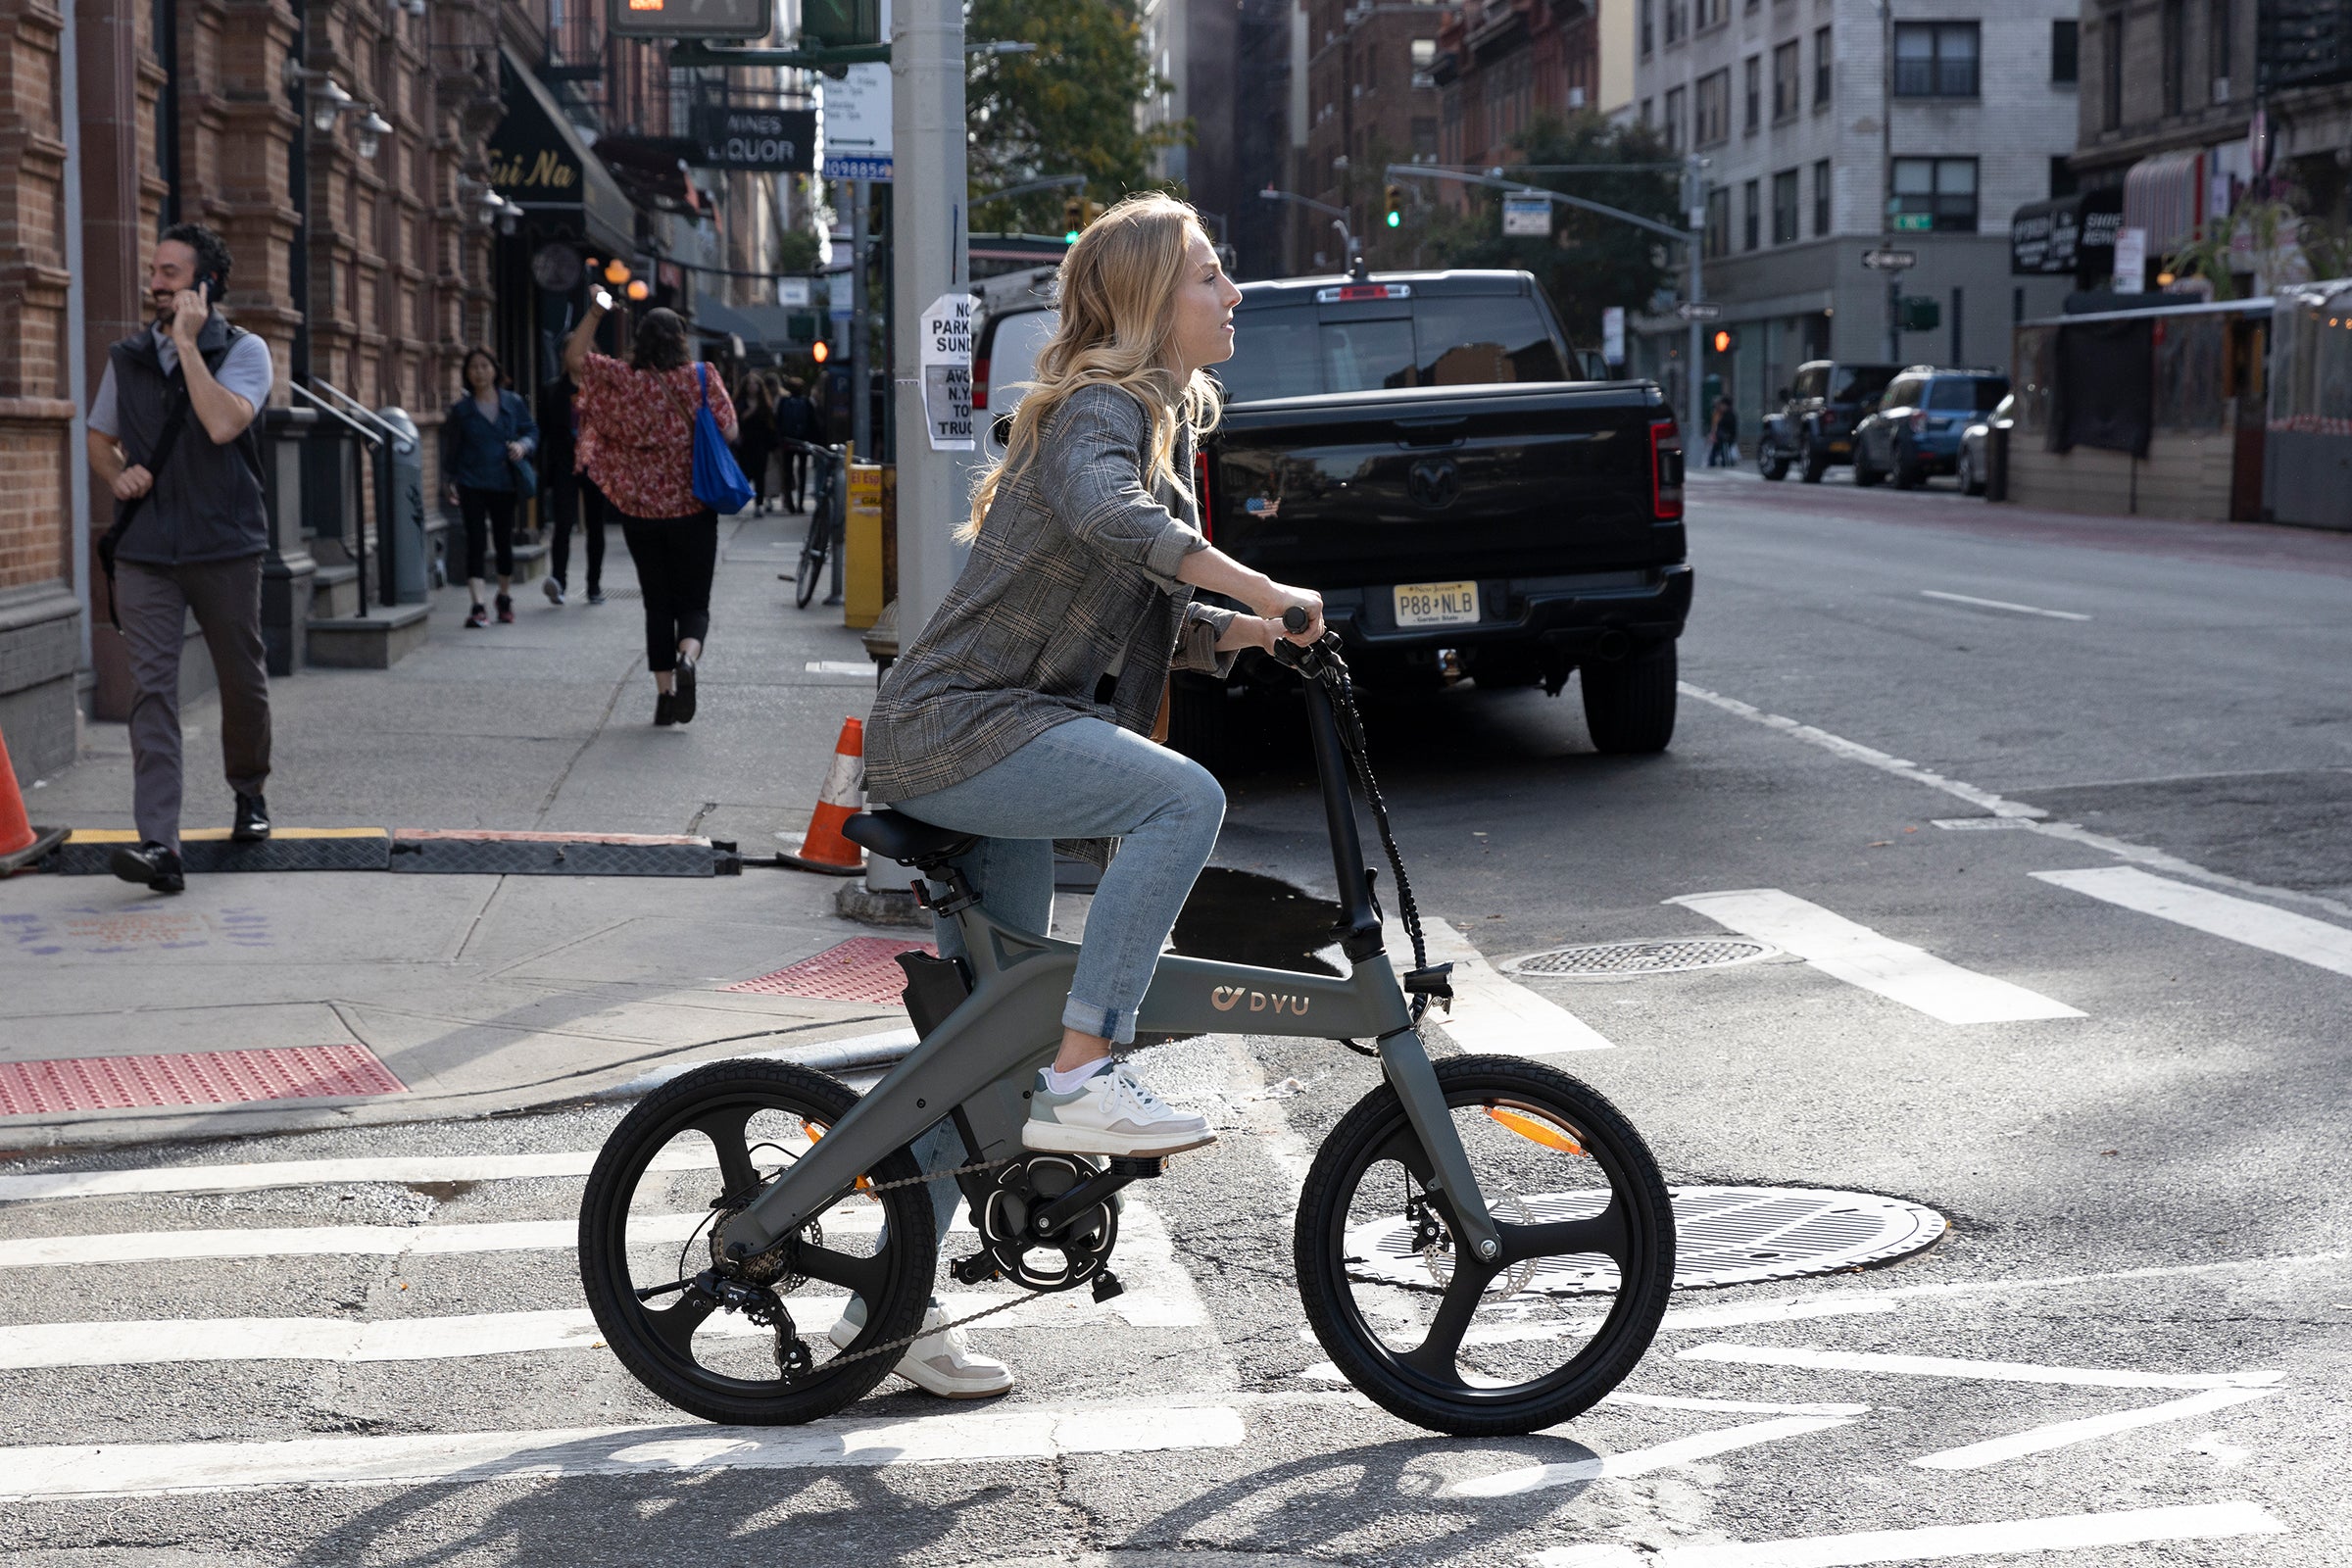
(420,851)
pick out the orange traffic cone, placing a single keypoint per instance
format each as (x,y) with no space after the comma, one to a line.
(843,797)
(20,843)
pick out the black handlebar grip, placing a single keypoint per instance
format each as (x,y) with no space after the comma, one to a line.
(1296,618)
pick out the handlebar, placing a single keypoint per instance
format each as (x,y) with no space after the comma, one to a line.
(1295,618)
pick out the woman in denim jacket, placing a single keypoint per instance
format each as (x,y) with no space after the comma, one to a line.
(486,434)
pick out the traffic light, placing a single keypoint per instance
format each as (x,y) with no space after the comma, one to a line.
(1073,219)
(1724,339)
(1921,312)
(822,352)
(1395,208)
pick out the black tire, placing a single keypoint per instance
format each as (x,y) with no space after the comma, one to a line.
(1769,463)
(1908,474)
(737,1108)
(1810,464)
(1864,474)
(1596,1174)
(1628,705)
(1199,722)
(813,558)
(1966,472)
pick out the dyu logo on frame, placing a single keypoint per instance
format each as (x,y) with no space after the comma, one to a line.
(946,361)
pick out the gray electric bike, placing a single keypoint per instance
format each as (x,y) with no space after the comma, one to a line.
(1484,1243)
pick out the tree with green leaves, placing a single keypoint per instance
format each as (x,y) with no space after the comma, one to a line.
(1068,108)
(1591,260)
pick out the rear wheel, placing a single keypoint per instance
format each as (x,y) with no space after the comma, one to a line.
(1628,705)
(1864,474)
(1810,464)
(813,555)
(1969,484)
(1771,462)
(695,1151)
(1535,1335)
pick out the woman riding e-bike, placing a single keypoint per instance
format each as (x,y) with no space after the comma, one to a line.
(1022,712)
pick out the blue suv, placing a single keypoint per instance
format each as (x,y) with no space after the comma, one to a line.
(1916,429)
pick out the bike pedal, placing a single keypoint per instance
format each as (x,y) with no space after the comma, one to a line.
(1134,1170)
(1106,1286)
(977,1269)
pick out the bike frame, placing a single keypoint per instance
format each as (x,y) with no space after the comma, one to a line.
(979,1065)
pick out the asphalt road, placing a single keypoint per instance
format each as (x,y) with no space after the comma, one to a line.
(2089,782)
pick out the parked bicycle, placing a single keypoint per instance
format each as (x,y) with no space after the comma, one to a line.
(1483,1245)
(824,518)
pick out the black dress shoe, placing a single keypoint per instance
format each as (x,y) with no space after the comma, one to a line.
(252,821)
(665,711)
(150,865)
(684,708)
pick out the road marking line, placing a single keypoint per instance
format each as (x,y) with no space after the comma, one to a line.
(2215,1520)
(2001,806)
(2059,1435)
(1860,957)
(947,1438)
(1640,1461)
(1790,1310)
(2220,915)
(839,666)
(249,1178)
(2001,604)
(1492,1013)
(1680,1401)
(1943,1366)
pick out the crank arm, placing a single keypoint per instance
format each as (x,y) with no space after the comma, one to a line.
(1405,1061)
(1087,1193)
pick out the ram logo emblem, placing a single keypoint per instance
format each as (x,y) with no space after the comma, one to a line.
(1435,483)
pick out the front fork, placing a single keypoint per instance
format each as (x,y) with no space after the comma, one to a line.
(1405,1062)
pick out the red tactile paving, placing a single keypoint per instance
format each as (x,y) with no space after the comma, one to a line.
(192,1078)
(860,969)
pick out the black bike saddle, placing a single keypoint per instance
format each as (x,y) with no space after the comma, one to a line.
(899,838)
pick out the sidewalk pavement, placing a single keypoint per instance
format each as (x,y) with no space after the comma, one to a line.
(479,993)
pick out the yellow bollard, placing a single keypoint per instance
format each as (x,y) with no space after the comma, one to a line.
(861,551)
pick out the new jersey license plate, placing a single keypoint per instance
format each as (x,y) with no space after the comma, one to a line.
(1437,604)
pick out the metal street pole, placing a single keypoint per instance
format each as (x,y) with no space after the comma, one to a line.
(862,367)
(1695,212)
(1894,278)
(930,257)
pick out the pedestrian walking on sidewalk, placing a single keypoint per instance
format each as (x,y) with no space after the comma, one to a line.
(171,434)
(565,494)
(486,444)
(755,410)
(637,425)
(1723,436)
(796,420)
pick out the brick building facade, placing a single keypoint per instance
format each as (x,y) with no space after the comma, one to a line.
(1503,63)
(1370,101)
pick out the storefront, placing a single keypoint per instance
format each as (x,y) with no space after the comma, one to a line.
(2067,236)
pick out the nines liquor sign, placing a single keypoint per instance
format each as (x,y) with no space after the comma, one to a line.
(774,140)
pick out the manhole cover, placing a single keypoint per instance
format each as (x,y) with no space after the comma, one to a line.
(1617,961)
(1723,1236)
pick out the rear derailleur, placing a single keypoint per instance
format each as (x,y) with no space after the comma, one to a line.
(1050,1223)
(741,1282)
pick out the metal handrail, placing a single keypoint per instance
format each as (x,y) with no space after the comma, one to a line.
(378,438)
(357,407)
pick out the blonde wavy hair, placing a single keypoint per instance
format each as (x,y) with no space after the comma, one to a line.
(1118,297)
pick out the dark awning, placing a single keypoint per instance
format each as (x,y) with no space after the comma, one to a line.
(2066,235)
(539,160)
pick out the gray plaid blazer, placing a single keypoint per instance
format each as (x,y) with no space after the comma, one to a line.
(1073,576)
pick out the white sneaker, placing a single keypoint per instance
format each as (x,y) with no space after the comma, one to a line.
(553,589)
(940,1363)
(1114,1113)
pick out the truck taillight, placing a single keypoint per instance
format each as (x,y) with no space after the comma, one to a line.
(1209,513)
(979,383)
(1665,472)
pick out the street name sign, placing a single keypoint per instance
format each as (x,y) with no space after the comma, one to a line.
(1890,260)
(1527,216)
(742,20)
(1698,310)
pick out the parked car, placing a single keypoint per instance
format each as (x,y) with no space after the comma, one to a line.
(1975,445)
(1914,430)
(1420,447)
(1813,427)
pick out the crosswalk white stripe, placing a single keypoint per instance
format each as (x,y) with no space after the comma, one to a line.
(1860,957)
(1490,1011)
(1640,1461)
(1943,1366)
(84,1470)
(2062,1433)
(2220,915)
(261,1175)
(2214,1521)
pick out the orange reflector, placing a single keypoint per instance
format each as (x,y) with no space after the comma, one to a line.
(1535,1131)
(816,1130)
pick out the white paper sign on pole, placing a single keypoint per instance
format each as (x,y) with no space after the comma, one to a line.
(2131,260)
(1612,334)
(946,361)
(1527,214)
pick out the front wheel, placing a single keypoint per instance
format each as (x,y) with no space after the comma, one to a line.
(1628,704)
(1535,1335)
(1969,484)
(813,555)
(1771,462)
(1810,464)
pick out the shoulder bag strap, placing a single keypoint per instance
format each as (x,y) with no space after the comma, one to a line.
(165,439)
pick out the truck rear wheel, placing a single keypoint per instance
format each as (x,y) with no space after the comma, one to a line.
(1810,464)
(1628,705)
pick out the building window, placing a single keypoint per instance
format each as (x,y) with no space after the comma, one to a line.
(1712,106)
(1783,207)
(2217,48)
(2062,176)
(1673,21)
(1650,28)
(1941,189)
(1712,14)
(2175,23)
(2110,71)
(1786,85)
(1754,84)
(1649,112)
(2066,49)
(1935,59)
(1821,199)
(1716,239)
(1752,221)
(1425,56)
(1821,68)
(1674,119)
(1425,140)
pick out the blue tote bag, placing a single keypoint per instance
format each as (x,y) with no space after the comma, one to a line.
(718,482)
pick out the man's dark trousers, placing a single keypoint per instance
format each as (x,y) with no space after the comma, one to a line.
(569,498)
(153,602)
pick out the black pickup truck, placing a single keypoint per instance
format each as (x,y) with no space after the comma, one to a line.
(1413,446)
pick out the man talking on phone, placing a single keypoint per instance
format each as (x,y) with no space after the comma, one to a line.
(171,437)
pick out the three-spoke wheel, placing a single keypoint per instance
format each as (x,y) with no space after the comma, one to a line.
(1516,1343)
(748,1341)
